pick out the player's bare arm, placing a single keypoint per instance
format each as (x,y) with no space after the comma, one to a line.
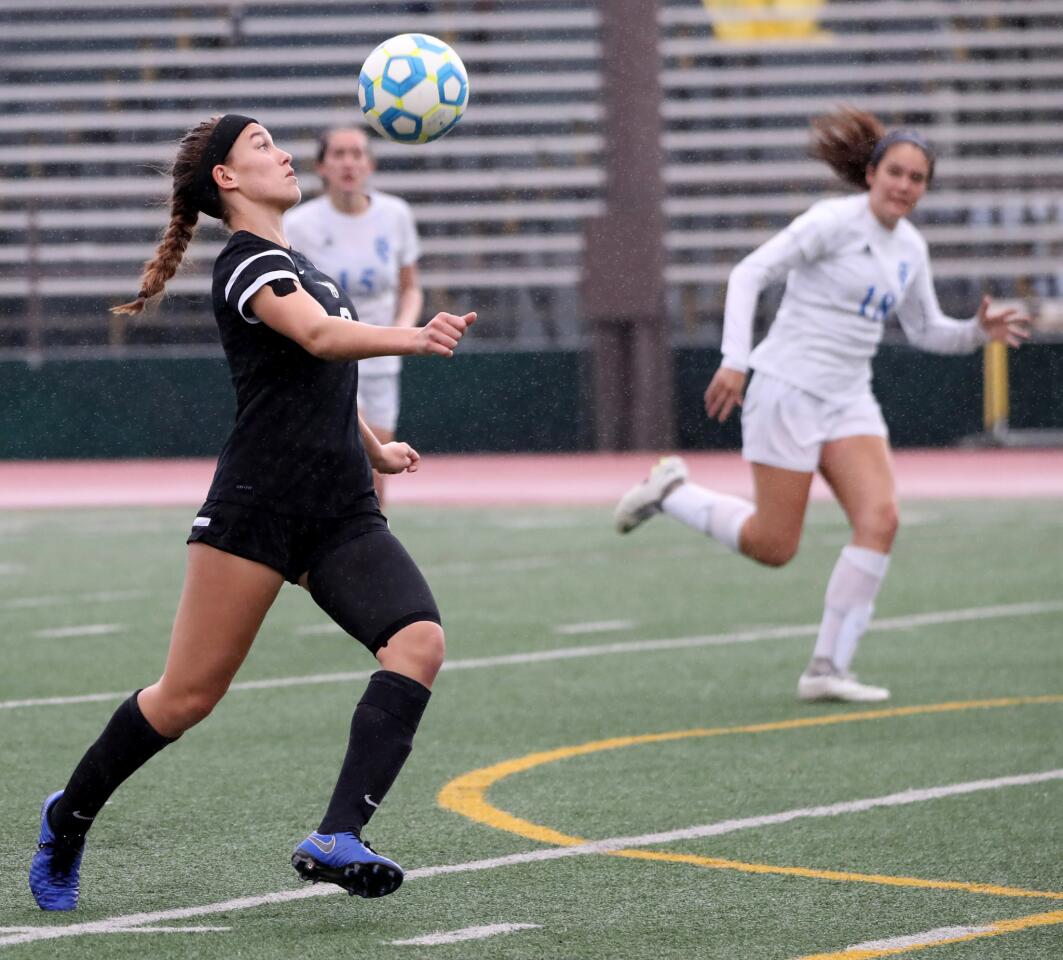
(393,457)
(301,318)
(410,297)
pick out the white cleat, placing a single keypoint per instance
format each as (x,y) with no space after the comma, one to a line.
(643,500)
(838,686)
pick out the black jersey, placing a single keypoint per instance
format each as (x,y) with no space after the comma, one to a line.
(295,447)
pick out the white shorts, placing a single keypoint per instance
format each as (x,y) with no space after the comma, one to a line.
(784,426)
(378,400)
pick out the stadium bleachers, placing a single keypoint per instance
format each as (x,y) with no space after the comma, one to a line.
(108,88)
(94,95)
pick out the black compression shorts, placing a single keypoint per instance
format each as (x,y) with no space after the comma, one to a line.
(358,572)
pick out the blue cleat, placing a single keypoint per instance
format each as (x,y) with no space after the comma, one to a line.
(55,873)
(344,859)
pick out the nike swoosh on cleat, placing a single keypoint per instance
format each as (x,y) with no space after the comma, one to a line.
(369,800)
(321,845)
(80,817)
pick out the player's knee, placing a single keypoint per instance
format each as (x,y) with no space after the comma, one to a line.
(776,554)
(891,520)
(878,525)
(432,646)
(769,548)
(420,646)
(768,543)
(184,709)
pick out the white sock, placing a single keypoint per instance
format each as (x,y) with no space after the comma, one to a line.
(717,514)
(849,604)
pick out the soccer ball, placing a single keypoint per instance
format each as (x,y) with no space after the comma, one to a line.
(413,88)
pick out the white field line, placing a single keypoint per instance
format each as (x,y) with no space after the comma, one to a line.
(544,521)
(465,568)
(176,929)
(135,929)
(96,596)
(593,626)
(120,923)
(924,939)
(318,628)
(467,933)
(912,621)
(901,799)
(85,630)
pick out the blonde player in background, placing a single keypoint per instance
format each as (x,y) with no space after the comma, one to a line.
(367,240)
(849,264)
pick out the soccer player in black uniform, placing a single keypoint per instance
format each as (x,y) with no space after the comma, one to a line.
(292,499)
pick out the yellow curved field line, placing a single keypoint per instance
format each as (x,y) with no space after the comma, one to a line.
(466,795)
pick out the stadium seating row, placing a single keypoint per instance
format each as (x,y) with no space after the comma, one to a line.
(94,95)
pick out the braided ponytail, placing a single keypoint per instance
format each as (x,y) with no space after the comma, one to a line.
(845,141)
(184,215)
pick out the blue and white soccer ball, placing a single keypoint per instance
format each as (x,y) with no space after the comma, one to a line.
(413,88)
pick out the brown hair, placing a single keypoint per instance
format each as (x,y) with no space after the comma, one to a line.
(845,141)
(325,137)
(184,215)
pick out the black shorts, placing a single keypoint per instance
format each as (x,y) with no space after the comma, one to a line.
(288,544)
(358,572)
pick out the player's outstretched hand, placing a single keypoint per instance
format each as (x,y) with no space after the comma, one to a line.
(1005,326)
(724,393)
(396,457)
(441,334)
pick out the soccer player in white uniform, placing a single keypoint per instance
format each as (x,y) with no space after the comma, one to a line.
(849,264)
(367,240)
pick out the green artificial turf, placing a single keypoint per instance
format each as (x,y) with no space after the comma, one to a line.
(214,817)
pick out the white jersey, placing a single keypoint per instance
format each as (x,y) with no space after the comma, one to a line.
(845,275)
(362,253)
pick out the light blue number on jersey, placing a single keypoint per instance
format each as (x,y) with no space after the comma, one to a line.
(367,281)
(882,311)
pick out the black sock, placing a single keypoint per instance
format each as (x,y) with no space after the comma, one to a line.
(127,743)
(382,730)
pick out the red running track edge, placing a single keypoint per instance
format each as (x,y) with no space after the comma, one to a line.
(525,479)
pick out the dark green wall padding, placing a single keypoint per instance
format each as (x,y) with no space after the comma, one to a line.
(476,402)
(114,408)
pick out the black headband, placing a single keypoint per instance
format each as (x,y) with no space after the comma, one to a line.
(901,135)
(221,141)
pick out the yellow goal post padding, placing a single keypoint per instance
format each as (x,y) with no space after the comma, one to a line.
(995,397)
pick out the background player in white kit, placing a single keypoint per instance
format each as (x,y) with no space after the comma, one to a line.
(367,240)
(849,264)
